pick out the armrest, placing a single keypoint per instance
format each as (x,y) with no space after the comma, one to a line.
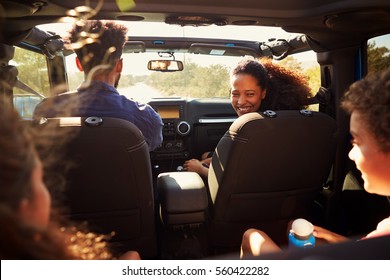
(183,198)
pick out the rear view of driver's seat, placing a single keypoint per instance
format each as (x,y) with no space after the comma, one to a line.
(266,170)
(109,183)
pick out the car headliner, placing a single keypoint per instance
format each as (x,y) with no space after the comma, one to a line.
(328,23)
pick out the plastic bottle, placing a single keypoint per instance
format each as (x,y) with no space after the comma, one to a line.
(301,234)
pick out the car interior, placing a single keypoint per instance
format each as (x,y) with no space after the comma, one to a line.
(126,207)
(237,200)
(267,168)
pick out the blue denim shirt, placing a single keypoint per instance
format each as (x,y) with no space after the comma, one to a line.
(103,100)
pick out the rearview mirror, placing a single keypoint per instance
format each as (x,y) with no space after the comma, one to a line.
(165,65)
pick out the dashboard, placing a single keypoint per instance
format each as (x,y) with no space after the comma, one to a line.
(173,118)
(168,111)
(191,127)
(175,130)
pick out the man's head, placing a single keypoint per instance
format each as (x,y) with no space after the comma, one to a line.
(97,43)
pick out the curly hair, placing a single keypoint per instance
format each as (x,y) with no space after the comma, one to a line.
(21,239)
(253,68)
(17,157)
(370,97)
(287,90)
(97,42)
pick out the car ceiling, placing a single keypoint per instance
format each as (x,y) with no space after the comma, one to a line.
(328,23)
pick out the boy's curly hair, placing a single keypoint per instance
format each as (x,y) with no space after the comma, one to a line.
(370,97)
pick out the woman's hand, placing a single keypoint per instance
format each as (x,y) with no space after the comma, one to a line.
(197,166)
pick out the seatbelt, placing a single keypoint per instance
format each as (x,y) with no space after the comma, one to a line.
(19,84)
(9,75)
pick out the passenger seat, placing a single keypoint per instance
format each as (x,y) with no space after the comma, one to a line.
(267,170)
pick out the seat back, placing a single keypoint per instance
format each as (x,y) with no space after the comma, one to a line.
(267,170)
(109,184)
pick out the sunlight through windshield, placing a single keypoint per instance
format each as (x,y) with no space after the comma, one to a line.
(203,76)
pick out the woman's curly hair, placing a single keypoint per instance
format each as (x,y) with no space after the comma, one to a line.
(287,89)
(20,239)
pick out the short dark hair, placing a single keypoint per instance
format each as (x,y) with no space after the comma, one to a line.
(97,42)
(370,97)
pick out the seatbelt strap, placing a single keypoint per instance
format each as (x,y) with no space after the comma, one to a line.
(9,75)
(19,84)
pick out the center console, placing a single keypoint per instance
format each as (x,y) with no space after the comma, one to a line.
(176,131)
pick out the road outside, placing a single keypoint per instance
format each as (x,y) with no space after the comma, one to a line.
(140,92)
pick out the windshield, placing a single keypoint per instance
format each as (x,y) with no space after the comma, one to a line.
(203,76)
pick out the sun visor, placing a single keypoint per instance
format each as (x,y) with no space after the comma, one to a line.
(134,47)
(221,50)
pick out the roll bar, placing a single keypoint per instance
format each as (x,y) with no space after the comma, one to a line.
(281,48)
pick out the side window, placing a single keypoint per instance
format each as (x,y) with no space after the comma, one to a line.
(32,71)
(378,53)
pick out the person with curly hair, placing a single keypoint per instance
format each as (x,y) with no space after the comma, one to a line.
(99,46)
(288,89)
(368,102)
(256,86)
(30,229)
